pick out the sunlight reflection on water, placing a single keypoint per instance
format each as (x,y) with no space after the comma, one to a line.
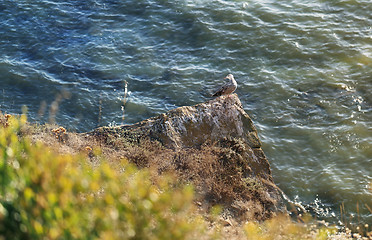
(304,76)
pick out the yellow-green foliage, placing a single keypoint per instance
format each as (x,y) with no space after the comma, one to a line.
(45,195)
(282,227)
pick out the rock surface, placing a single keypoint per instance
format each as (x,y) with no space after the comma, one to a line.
(220,121)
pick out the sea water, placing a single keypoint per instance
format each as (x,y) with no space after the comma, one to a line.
(304,73)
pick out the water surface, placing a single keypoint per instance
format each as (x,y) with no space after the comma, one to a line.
(304,70)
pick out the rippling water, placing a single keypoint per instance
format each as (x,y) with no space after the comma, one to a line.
(304,70)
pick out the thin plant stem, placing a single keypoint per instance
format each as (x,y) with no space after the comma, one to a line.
(124,99)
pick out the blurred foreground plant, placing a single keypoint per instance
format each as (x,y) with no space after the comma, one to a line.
(282,227)
(45,195)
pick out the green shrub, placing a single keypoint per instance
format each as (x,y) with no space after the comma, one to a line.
(45,195)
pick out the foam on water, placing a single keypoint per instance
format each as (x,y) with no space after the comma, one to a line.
(303,68)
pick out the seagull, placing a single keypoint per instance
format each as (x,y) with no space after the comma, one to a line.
(228,88)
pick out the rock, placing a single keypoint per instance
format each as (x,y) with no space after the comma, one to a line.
(221,121)
(192,126)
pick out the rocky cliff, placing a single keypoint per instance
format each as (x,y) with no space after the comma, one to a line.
(214,145)
(222,120)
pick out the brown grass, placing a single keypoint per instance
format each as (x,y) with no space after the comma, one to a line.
(4,119)
(217,170)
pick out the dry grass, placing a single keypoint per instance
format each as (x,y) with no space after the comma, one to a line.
(4,119)
(218,172)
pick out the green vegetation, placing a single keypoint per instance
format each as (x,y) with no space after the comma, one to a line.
(45,194)
(54,196)
(283,226)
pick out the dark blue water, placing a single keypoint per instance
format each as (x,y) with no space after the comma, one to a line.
(304,70)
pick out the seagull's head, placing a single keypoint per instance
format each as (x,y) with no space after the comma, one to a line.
(229,77)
